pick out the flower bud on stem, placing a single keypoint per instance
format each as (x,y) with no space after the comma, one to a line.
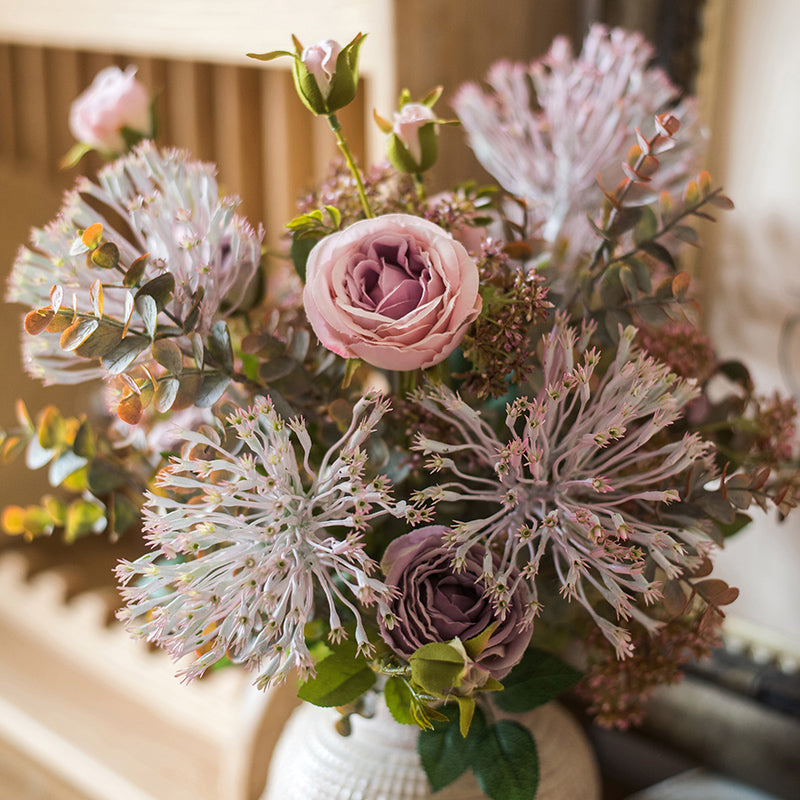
(348,156)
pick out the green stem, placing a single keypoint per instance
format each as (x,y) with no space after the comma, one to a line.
(348,157)
(419,187)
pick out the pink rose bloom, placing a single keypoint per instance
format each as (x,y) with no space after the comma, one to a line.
(320,60)
(114,101)
(396,291)
(435,603)
(407,122)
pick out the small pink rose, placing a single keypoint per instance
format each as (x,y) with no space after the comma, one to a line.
(407,122)
(320,60)
(114,101)
(396,291)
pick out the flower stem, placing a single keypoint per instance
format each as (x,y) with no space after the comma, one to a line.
(348,156)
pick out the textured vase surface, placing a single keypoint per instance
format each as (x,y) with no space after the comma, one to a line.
(379,760)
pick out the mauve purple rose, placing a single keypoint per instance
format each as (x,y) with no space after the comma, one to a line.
(434,603)
(396,291)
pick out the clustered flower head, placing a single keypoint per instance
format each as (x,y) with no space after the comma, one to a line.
(247,538)
(580,475)
(153,202)
(546,130)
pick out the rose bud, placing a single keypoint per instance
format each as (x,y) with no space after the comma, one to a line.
(396,291)
(113,113)
(413,139)
(325,74)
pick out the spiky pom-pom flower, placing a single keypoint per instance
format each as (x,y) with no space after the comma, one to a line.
(151,201)
(580,474)
(546,130)
(247,536)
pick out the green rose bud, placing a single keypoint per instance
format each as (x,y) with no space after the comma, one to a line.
(325,74)
(413,139)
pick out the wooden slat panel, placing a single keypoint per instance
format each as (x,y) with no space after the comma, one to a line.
(31,117)
(189,107)
(7,132)
(238,147)
(153,74)
(287,144)
(63,76)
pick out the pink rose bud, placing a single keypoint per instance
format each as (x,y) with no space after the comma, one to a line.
(407,122)
(396,291)
(114,101)
(320,61)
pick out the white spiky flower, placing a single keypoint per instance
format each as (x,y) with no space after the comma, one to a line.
(547,129)
(580,474)
(251,539)
(152,201)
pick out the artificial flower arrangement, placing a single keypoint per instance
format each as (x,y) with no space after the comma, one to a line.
(478,451)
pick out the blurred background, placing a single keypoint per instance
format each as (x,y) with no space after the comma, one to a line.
(739,56)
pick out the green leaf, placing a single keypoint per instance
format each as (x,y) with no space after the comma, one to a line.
(165,393)
(78,332)
(646,227)
(104,339)
(400,700)
(169,355)
(63,466)
(105,476)
(538,678)
(506,763)
(148,310)
(124,354)
(83,444)
(159,288)
(340,679)
(659,252)
(83,517)
(106,256)
(124,514)
(135,272)
(211,389)
(437,667)
(219,346)
(300,250)
(74,155)
(446,754)
(741,521)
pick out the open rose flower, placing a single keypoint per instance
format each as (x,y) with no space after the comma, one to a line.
(396,291)
(114,101)
(435,603)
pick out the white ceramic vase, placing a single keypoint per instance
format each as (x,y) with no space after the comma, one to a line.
(379,760)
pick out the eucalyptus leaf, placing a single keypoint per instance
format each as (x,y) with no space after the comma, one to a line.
(63,466)
(159,288)
(211,389)
(219,345)
(125,353)
(104,339)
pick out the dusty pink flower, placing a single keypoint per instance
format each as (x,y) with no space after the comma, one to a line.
(114,101)
(407,122)
(320,60)
(396,291)
(436,603)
